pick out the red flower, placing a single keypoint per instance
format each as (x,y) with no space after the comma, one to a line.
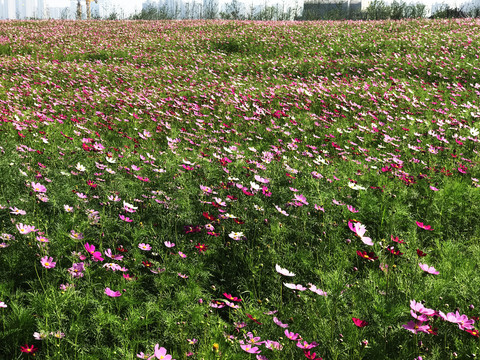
(474,332)
(360,323)
(433,331)
(395,252)
(201,247)
(210,217)
(238,221)
(28,349)
(92,184)
(122,249)
(147,264)
(254,319)
(367,256)
(420,253)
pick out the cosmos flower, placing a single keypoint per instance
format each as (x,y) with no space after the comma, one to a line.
(282,271)
(428,269)
(112,293)
(47,262)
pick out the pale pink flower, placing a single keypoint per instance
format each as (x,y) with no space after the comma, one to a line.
(25,229)
(144,247)
(169,244)
(298,287)
(161,353)
(360,230)
(282,271)
(428,269)
(249,349)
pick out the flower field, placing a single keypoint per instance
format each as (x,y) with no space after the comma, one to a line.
(239,190)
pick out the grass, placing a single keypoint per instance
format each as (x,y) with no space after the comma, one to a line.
(246,145)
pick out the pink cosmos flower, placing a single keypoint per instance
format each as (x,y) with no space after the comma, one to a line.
(450,317)
(249,349)
(430,270)
(282,271)
(47,262)
(112,293)
(418,307)
(16,211)
(279,323)
(37,187)
(169,244)
(25,229)
(305,345)
(291,335)
(352,209)
(144,247)
(317,290)
(161,353)
(360,230)
(124,218)
(2,304)
(298,287)
(425,227)
(464,323)
(109,254)
(416,327)
(182,254)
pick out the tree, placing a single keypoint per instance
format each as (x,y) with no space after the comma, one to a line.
(210,9)
(234,10)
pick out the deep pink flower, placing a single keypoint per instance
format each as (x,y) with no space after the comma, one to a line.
(423,226)
(112,293)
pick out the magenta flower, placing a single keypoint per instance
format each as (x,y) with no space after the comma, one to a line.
(416,327)
(423,226)
(291,335)
(161,353)
(279,323)
(47,262)
(305,345)
(430,270)
(124,218)
(37,187)
(112,293)
(249,349)
(464,323)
